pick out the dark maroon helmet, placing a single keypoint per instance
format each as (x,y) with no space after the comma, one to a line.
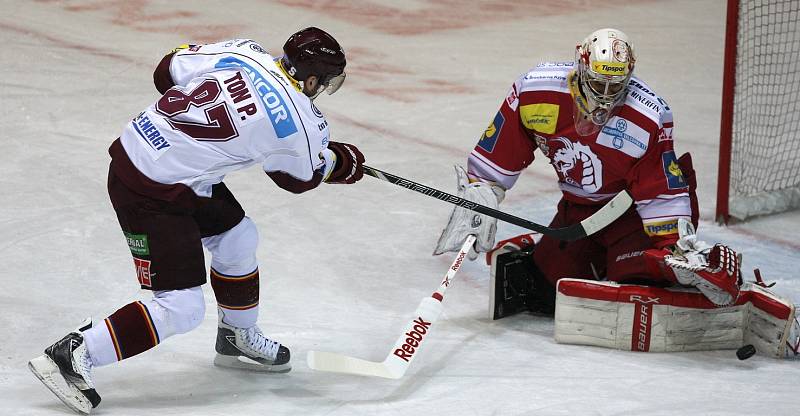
(313,51)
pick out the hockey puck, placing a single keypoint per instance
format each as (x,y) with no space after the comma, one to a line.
(746,352)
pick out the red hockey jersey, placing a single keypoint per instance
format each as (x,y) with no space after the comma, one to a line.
(632,151)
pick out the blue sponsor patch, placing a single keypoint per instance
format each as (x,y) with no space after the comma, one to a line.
(489,138)
(672,171)
(147,131)
(280,117)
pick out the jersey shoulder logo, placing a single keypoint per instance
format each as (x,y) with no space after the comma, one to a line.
(672,171)
(541,118)
(512,99)
(625,136)
(489,138)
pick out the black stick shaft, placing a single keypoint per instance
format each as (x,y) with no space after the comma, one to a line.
(570,233)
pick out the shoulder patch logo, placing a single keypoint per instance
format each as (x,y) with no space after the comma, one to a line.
(489,138)
(542,118)
(672,171)
(625,136)
(512,99)
(316,110)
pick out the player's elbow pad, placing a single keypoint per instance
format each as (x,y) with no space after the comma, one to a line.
(292,184)
(161,76)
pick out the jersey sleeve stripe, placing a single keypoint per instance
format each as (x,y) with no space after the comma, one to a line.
(677,206)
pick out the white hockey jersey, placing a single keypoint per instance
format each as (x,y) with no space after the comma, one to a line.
(231,107)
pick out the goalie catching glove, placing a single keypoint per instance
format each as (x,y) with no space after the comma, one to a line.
(715,271)
(464,222)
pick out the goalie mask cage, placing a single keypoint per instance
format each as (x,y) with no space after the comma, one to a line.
(759,157)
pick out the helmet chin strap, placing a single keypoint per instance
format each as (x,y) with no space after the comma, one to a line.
(320,88)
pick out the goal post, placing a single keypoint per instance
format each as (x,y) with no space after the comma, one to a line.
(759,152)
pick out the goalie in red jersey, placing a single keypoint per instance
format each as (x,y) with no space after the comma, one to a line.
(604,131)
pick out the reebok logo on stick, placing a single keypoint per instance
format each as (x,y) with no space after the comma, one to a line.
(415,337)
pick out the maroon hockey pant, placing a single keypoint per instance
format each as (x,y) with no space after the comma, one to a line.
(615,253)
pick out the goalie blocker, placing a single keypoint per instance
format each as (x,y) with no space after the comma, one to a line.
(642,318)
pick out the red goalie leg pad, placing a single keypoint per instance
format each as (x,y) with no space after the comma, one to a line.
(132,330)
(235,292)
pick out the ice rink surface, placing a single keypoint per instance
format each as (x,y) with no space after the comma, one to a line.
(343,267)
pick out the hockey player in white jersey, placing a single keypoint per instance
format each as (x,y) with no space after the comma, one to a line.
(225,106)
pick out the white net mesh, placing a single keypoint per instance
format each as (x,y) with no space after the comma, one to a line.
(765,155)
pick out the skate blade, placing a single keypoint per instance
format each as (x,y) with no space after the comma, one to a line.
(244,363)
(44,368)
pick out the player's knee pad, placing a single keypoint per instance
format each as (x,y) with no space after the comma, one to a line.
(177,311)
(516,283)
(233,252)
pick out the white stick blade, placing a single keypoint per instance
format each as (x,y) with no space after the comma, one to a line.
(338,363)
(608,214)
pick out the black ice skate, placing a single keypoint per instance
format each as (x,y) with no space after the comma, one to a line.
(249,349)
(65,368)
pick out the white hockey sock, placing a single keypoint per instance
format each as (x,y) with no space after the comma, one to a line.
(170,312)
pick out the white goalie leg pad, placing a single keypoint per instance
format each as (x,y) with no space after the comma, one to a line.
(642,318)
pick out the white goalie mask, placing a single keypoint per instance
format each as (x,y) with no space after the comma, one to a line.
(604,65)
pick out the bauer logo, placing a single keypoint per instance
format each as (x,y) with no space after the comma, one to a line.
(280,117)
(672,171)
(138,244)
(489,138)
(413,340)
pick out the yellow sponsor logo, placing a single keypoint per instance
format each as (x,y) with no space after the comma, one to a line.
(540,117)
(491,130)
(661,227)
(675,170)
(610,68)
(181,47)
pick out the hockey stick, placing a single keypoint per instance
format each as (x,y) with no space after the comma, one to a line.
(407,346)
(612,210)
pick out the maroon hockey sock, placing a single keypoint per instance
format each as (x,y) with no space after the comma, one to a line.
(235,292)
(132,330)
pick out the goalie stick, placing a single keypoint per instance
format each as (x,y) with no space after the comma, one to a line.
(612,210)
(406,348)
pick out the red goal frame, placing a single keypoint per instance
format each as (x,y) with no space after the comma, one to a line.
(726,119)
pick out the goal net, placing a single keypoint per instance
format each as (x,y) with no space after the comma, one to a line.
(759,170)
